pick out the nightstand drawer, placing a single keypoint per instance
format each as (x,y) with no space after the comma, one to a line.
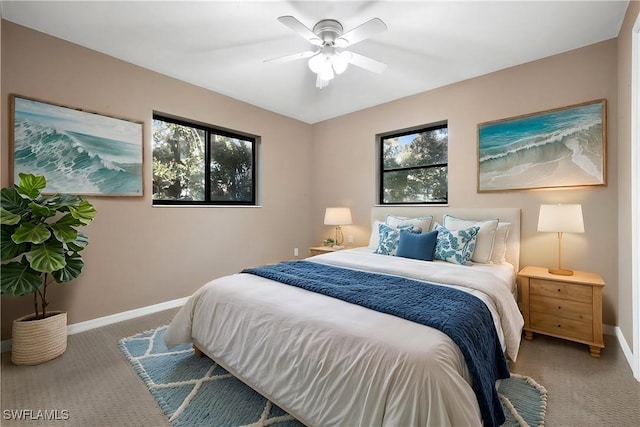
(562,327)
(571,292)
(562,308)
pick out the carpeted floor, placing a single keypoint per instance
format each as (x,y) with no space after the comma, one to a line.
(94,383)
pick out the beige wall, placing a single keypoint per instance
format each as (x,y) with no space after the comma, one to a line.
(345,158)
(169,252)
(625,307)
(139,255)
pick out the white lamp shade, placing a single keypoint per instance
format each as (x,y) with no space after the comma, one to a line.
(341,62)
(561,218)
(327,72)
(328,63)
(317,63)
(337,216)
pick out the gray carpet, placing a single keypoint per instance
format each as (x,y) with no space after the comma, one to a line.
(582,390)
(95,384)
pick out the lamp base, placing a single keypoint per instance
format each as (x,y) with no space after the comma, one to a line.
(561,271)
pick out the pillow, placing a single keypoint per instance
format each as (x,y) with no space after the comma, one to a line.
(374,239)
(417,246)
(455,246)
(390,237)
(500,243)
(423,223)
(484,240)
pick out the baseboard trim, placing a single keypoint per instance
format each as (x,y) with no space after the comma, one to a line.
(624,345)
(112,318)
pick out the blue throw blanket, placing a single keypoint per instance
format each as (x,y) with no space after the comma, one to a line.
(460,315)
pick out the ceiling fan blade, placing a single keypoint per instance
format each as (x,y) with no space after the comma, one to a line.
(361,32)
(293,57)
(367,63)
(301,29)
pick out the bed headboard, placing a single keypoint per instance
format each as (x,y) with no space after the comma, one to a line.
(511,215)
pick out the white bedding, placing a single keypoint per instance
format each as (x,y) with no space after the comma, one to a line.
(328,362)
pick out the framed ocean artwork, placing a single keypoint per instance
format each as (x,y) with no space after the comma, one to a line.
(78,152)
(563,147)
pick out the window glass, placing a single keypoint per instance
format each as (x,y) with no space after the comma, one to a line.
(231,169)
(196,164)
(414,166)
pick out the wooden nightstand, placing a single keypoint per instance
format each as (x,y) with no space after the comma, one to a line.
(318,250)
(568,307)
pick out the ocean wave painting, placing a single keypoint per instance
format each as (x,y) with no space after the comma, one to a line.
(76,151)
(557,148)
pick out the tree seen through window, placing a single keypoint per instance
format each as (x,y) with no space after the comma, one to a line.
(414,166)
(194,164)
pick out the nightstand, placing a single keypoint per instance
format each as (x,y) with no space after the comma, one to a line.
(319,250)
(568,307)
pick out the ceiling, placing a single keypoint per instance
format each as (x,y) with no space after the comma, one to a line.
(221,45)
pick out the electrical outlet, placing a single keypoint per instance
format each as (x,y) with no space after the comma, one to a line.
(350,239)
(295,251)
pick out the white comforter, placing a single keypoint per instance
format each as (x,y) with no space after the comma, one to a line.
(328,362)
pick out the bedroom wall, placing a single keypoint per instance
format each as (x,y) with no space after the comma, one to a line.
(139,255)
(347,143)
(625,305)
(172,251)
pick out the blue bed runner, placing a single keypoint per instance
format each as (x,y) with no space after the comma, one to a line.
(460,315)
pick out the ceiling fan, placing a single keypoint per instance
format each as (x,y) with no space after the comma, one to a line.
(327,35)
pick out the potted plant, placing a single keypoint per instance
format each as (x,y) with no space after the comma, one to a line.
(40,244)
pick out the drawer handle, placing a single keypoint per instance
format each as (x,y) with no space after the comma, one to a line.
(559,326)
(558,289)
(559,307)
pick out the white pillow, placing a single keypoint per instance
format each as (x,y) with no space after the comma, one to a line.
(500,243)
(484,241)
(421,222)
(374,239)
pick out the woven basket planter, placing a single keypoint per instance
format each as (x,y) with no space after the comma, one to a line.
(38,341)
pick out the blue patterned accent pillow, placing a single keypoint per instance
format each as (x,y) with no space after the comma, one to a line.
(455,246)
(390,237)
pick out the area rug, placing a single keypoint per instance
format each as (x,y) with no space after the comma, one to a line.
(195,391)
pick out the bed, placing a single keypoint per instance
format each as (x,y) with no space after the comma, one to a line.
(328,361)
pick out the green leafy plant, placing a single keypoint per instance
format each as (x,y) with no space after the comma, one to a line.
(40,240)
(329,241)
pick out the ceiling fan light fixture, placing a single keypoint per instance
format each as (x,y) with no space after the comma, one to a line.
(316,63)
(341,62)
(327,64)
(328,34)
(321,83)
(341,42)
(322,65)
(327,73)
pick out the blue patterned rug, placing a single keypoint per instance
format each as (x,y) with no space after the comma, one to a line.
(195,391)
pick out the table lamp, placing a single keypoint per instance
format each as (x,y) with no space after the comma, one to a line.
(338,217)
(561,219)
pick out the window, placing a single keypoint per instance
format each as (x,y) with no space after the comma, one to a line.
(195,164)
(413,166)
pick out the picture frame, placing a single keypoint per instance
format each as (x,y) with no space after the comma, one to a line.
(77,151)
(561,147)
